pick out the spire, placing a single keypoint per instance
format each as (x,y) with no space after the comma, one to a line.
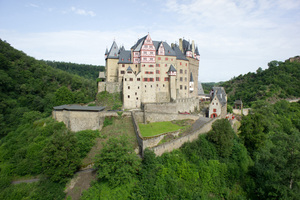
(129,69)
(172,71)
(191,78)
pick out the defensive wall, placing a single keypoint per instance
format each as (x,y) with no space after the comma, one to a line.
(179,105)
(78,118)
(153,142)
(244,111)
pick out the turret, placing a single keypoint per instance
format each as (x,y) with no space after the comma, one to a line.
(189,51)
(106,53)
(172,82)
(197,54)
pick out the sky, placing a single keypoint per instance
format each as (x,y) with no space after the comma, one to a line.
(233,36)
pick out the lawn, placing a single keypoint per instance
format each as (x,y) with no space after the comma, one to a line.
(158,128)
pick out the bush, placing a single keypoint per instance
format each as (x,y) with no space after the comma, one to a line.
(108,121)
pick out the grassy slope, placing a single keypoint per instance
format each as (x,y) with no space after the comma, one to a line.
(156,128)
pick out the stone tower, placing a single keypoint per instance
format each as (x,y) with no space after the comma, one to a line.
(172,80)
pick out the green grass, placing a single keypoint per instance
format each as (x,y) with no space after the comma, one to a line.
(156,128)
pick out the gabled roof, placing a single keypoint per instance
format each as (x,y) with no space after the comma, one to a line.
(220,93)
(172,69)
(168,50)
(114,50)
(125,57)
(138,45)
(191,78)
(179,54)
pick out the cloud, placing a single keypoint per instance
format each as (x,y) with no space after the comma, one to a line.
(82,12)
(33,5)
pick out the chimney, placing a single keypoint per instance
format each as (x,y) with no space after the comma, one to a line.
(180,45)
(193,48)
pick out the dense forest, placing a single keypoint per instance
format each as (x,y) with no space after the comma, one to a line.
(90,72)
(280,81)
(27,85)
(260,161)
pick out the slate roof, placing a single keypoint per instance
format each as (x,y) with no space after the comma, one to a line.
(197,51)
(168,50)
(79,108)
(191,78)
(179,54)
(219,92)
(200,88)
(172,69)
(125,57)
(114,50)
(129,69)
(138,44)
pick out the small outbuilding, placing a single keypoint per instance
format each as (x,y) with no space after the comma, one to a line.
(238,104)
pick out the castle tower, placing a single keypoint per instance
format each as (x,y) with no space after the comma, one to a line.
(172,82)
(189,51)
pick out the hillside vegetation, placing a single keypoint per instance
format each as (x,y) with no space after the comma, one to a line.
(280,81)
(29,85)
(86,71)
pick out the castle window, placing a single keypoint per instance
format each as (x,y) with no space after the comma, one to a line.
(181,87)
(128,96)
(143,65)
(216,103)
(157,71)
(180,78)
(138,87)
(185,71)
(185,64)
(151,86)
(151,79)
(180,63)
(137,98)
(122,59)
(123,64)
(128,87)
(159,58)
(166,78)
(145,86)
(144,58)
(172,59)
(145,80)
(151,65)
(157,78)
(136,66)
(136,93)
(151,52)
(181,71)
(151,58)
(125,79)
(166,65)
(122,72)
(131,79)
(185,87)
(215,110)
(166,58)
(213,103)
(163,85)
(157,65)
(138,79)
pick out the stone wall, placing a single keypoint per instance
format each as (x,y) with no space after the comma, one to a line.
(111,87)
(179,105)
(177,143)
(83,120)
(159,117)
(152,142)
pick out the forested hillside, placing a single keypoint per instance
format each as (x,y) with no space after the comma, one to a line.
(86,71)
(280,81)
(29,85)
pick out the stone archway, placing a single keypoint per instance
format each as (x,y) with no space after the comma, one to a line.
(214,115)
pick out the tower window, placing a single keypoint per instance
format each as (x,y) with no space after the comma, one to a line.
(128,96)
(128,87)
(181,87)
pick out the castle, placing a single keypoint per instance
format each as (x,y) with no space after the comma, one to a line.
(151,72)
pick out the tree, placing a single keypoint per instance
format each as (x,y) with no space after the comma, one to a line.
(63,96)
(276,169)
(222,136)
(117,162)
(61,156)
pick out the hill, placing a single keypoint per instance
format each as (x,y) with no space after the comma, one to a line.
(280,81)
(27,84)
(86,71)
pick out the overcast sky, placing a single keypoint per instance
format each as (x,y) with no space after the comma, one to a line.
(233,36)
